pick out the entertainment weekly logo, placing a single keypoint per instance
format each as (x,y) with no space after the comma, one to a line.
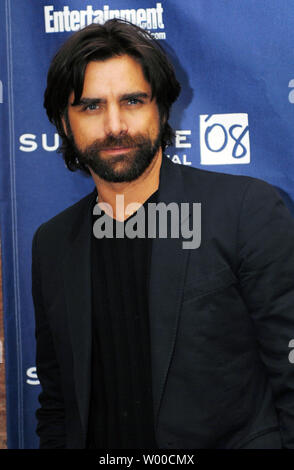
(67,20)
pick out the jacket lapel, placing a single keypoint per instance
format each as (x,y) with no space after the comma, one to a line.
(77,279)
(167,276)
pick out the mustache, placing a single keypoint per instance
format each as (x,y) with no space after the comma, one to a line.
(118,141)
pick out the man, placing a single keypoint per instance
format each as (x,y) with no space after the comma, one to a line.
(142,343)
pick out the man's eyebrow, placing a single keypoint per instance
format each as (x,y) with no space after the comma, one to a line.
(87,101)
(126,96)
(134,95)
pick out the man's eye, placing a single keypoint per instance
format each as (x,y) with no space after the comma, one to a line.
(134,101)
(91,107)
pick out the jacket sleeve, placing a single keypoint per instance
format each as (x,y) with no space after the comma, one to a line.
(51,415)
(266,273)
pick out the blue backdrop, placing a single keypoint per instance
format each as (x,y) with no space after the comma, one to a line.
(235,61)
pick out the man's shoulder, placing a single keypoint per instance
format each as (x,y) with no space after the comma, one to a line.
(223,193)
(64,222)
(211,183)
(220,178)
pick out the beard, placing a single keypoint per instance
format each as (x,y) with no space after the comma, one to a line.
(118,168)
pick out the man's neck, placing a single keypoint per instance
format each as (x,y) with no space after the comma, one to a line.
(135,192)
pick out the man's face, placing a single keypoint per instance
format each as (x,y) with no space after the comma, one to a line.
(115,128)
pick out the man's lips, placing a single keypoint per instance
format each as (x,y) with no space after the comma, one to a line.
(116,150)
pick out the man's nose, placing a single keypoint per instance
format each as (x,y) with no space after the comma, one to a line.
(115,122)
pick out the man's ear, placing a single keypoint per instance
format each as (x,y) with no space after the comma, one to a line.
(163,118)
(64,125)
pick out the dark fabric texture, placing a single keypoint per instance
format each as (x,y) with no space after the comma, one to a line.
(121,409)
(220,316)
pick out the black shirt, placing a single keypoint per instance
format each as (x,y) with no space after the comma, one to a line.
(121,408)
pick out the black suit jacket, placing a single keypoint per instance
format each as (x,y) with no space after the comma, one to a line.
(221,318)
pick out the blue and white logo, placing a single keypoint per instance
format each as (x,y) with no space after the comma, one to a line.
(224,139)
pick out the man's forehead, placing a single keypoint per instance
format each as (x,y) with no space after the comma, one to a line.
(117,76)
(122,67)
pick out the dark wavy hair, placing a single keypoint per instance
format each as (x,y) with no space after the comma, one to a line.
(101,42)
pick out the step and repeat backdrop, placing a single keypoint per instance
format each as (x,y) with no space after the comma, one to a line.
(235,61)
